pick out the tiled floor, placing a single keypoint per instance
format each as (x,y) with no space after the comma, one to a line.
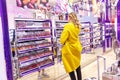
(57,72)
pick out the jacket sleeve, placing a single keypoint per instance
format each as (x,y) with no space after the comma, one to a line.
(64,36)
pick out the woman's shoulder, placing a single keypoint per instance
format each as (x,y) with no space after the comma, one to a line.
(69,23)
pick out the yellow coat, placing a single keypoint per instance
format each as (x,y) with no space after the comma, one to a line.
(71,50)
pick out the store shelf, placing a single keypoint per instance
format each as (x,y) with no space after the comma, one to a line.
(31,20)
(33,49)
(61,21)
(85,38)
(33,45)
(87,44)
(33,39)
(97,36)
(85,27)
(86,33)
(36,69)
(94,27)
(59,28)
(33,28)
(86,51)
(96,31)
(45,55)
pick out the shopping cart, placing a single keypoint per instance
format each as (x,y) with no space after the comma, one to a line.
(98,68)
(98,64)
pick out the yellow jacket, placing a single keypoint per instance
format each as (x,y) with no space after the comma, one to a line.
(71,50)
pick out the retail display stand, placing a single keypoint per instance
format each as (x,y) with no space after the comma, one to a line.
(86,37)
(34,45)
(59,25)
(108,33)
(97,35)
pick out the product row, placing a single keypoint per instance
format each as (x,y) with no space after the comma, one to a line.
(33,46)
(31,23)
(35,64)
(25,35)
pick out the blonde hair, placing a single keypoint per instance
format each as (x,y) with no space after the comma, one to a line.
(74,19)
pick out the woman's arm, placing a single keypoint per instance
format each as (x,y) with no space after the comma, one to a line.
(64,36)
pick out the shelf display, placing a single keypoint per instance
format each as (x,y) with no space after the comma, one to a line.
(108,33)
(86,37)
(97,35)
(34,45)
(59,25)
(91,36)
(108,30)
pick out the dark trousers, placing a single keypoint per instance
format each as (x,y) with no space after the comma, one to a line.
(79,75)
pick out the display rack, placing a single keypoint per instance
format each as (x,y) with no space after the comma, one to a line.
(86,36)
(59,25)
(97,35)
(108,34)
(108,30)
(34,45)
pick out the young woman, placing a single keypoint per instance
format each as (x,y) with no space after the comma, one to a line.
(71,47)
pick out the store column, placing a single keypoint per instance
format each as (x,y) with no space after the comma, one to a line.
(118,20)
(2,58)
(5,53)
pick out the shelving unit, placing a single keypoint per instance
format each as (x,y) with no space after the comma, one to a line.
(86,36)
(59,25)
(108,30)
(108,33)
(97,35)
(34,45)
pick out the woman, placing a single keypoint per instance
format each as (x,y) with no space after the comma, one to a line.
(71,49)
